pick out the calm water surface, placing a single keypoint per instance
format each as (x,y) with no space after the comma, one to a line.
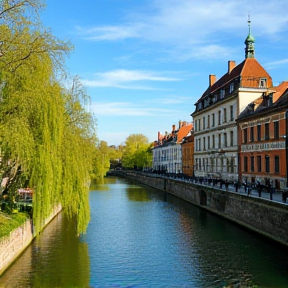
(140,237)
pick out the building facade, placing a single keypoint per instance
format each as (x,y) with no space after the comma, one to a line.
(187,148)
(215,127)
(263,140)
(167,153)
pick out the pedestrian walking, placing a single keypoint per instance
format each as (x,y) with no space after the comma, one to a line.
(226,185)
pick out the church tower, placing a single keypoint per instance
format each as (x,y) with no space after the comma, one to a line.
(249,42)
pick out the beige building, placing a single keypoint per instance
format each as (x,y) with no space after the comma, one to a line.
(215,129)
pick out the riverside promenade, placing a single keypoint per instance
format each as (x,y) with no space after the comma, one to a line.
(273,195)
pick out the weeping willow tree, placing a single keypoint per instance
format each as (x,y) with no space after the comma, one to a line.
(47,139)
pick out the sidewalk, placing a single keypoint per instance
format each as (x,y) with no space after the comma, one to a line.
(276,197)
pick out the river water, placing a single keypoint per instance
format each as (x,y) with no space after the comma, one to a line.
(141,237)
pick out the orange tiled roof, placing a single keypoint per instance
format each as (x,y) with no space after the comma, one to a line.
(249,69)
(279,90)
(183,131)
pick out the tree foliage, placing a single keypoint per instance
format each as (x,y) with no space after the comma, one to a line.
(137,152)
(48,140)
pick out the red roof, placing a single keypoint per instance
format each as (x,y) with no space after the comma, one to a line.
(249,70)
(279,90)
(183,131)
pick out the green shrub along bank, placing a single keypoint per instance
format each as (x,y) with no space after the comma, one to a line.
(9,222)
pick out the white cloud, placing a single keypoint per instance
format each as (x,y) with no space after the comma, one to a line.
(276,64)
(196,27)
(128,109)
(123,78)
(108,33)
(173,100)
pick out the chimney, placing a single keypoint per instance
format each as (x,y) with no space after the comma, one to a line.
(212,80)
(158,136)
(173,128)
(231,66)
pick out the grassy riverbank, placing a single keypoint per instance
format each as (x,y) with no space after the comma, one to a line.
(9,222)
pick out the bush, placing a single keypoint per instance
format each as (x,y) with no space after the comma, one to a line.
(10,222)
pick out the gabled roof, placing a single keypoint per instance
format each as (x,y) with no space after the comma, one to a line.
(261,104)
(183,132)
(279,90)
(248,70)
(176,136)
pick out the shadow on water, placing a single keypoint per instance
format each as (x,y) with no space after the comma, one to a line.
(241,257)
(56,258)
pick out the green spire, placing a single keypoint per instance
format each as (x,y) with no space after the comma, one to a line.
(249,42)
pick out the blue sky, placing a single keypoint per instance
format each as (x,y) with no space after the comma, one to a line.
(145,63)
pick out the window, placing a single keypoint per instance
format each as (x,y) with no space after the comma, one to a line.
(277,164)
(231,138)
(258,132)
(262,83)
(276,130)
(204,124)
(213,141)
(224,115)
(231,113)
(232,163)
(245,135)
(208,140)
(199,125)
(245,163)
(222,93)
(252,164)
(219,140)
(204,143)
(231,87)
(225,139)
(259,163)
(267,163)
(213,120)
(252,134)
(266,131)
(208,121)
(219,117)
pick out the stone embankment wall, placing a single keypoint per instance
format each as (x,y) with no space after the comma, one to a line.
(262,216)
(18,240)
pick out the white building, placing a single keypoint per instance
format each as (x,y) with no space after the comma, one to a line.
(167,154)
(215,128)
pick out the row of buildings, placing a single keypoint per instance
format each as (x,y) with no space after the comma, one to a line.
(239,130)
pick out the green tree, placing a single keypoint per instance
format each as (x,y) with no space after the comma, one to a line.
(137,152)
(101,160)
(115,155)
(48,140)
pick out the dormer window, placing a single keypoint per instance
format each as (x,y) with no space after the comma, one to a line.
(231,87)
(222,93)
(263,83)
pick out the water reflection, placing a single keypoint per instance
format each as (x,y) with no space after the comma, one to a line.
(142,237)
(56,258)
(137,193)
(227,254)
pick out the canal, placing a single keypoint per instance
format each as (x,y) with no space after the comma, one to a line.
(141,237)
